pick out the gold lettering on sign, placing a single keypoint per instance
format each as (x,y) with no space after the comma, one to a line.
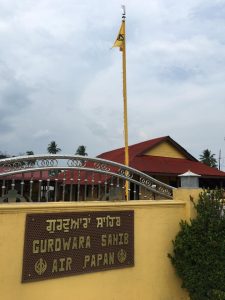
(61,264)
(59,223)
(108,221)
(61,244)
(101,259)
(71,243)
(66,225)
(35,246)
(75,224)
(114,239)
(51,225)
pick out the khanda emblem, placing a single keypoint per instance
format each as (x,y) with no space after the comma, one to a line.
(122,255)
(120,37)
(40,266)
(120,40)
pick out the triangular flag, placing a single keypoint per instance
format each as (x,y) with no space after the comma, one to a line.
(121,37)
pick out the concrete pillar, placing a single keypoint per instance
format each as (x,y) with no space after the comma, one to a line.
(186,194)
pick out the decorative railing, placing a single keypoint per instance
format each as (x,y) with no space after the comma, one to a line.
(74,178)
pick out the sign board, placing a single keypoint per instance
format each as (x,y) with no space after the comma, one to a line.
(63,244)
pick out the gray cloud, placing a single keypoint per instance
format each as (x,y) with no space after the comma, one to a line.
(210,11)
(14,98)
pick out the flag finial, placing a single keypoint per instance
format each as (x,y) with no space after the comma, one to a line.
(124,12)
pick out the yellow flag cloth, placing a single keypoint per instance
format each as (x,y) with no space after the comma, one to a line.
(120,38)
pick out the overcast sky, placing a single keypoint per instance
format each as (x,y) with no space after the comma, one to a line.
(61,81)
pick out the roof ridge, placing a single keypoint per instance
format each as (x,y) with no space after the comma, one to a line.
(136,144)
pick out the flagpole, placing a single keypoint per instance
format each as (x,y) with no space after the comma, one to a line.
(125,103)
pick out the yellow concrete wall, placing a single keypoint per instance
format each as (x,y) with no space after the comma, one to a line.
(152,277)
(165,149)
(186,195)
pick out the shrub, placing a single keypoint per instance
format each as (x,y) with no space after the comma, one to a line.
(199,249)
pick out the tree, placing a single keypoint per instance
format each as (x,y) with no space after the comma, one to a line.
(32,161)
(81,150)
(208,158)
(53,148)
(3,155)
(29,152)
(199,247)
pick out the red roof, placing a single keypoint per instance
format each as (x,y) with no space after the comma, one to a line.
(161,165)
(139,148)
(85,177)
(173,166)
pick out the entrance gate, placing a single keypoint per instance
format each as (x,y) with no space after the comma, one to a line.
(44,178)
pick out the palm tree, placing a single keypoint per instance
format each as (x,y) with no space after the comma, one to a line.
(3,155)
(31,162)
(208,158)
(81,150)
(52,148)
(30,152)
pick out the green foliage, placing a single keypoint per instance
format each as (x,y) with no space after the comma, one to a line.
(29,152)
(32,161)
(199,249)
(81,150)
(217,295)
(53,148)
(208,158)
(3,155)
